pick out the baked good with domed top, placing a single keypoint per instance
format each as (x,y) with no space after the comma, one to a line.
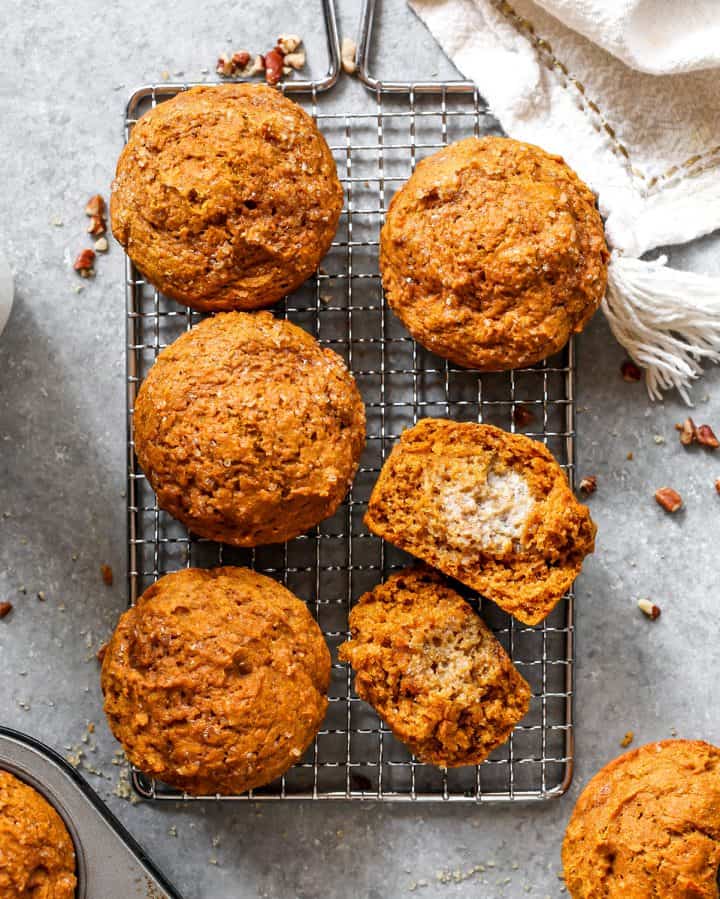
(493,253)
(216,680)
(248,430)
(226,196)
(648,825)
(37,856)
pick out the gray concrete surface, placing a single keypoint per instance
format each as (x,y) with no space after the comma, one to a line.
(65,74)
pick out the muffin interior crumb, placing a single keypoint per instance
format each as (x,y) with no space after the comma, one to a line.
(480,507)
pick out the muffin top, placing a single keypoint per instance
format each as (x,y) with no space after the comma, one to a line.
(648,824)
(226,196)
(433,670)
(216,680)
(248,430)
(492,509)
(37,858)
(493,253)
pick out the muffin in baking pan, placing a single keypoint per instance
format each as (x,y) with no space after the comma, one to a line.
(216,680)
(648,824)
(493,510)
(493,254)
(433,670)
(248,430)
(226,197)
(37,857)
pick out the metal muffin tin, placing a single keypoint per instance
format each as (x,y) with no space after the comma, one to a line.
(110,864)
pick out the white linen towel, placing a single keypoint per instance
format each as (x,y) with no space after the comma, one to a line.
(573,77)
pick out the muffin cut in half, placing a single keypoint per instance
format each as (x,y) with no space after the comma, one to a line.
(248,430)
(492,509)
(37,856)
(226,196)
(216,680)
(648,825)
(493,253)
(433,670)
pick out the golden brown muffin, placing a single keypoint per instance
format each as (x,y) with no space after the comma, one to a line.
(492,509)
(216,680)
(648,825)
(433,670)
(248,431)
(226,196)
(37,858)
(493,253)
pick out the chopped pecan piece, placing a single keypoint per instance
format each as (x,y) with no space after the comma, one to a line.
(668,498)
(649,608)
(95,206)
(522,416)
(5,609)
(273,66)
(688,432)
(630,371)
(107,575)
(706,437)
(588,484)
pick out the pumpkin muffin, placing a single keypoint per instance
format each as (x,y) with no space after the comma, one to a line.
(648,825)
(226,197)
(37,857)
(493,254)
(216,680)
(491,509)
(248,430)
(433,670)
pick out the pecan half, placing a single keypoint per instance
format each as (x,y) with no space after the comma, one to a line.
(668,498)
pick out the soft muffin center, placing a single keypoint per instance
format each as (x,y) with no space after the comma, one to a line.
(485,511)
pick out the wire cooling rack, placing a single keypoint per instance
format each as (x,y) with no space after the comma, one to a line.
(354,756)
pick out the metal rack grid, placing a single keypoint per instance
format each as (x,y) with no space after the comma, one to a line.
(354,756)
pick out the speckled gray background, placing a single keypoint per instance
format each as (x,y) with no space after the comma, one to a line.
(65,75)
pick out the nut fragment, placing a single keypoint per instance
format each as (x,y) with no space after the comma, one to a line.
(5,609)
(224,66)
(97,226)
(273,66)
(649,608)
(257,65)
(706,437)
(627,739)
(84,263)
(101,245)
(688,432)
(588,484)
(288,43)
(668,498)
(107,575)
(348,55)
(522,416)
(717,485)
(630,371)
(295,60)
(241,59)
(95,206)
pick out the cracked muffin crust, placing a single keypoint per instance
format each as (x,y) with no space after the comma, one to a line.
(248,430)
(216,680)
(493,253)
(37,857)
(226,197)
(648,825)
(493,510)
(433,670)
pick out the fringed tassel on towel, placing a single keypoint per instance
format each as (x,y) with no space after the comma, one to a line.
(667,320)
